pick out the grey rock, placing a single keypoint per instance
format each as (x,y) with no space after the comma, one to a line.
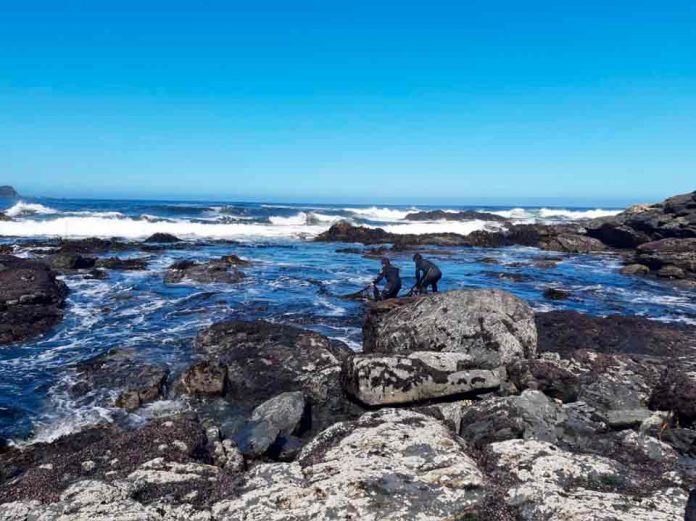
(398,379)
(492,326)
(391,464)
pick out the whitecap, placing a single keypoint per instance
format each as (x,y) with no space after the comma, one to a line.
(23,208)
(546,213)
(375,213)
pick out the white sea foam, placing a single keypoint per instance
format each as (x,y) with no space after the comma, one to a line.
(22,208)
(547,213)
(515,213)
(461,228)
(138,229)
(375,213)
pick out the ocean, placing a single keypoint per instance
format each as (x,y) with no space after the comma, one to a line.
(291,280)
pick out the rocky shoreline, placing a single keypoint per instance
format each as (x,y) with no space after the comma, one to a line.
(658,239)
(462,405)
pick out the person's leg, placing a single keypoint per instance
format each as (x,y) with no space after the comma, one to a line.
(376,293)
(390,292)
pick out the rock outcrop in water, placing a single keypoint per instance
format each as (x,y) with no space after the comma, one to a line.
(441,215)
(214,271)
(31,299)
(7,192)
(597,422)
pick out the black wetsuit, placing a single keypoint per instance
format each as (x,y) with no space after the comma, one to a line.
(393,285)
(427,274)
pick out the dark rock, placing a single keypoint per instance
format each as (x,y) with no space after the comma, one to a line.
(547,377)
(6,249)
(573,243)
(162,238)
(671,272)
(346,232)
(491,326)
(508,276)
(265,359)
(635,269)
(139,383)
(204,379)
(42,471)
(116,263)
(556,294)
(4,217)
(91,245)
(214,271)
(673,218)
(566,331)
(7,192)
(488,260)
(31,299)
(440,215)
(234,260)
(70,261)
(676,392)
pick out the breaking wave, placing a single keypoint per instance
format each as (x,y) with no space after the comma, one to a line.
(22,208)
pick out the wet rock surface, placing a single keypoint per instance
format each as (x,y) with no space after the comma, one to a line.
(215,271)
(31,299)
(136,383)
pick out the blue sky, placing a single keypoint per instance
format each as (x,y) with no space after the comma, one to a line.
(380,101)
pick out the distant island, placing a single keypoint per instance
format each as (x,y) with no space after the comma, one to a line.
(7,192)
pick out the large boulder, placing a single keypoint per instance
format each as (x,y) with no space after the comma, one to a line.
(70,261)
(7,192)
(676,256)
(491,326)
(397,379)
(265,359)
(31,299)
(676,391)
(391,464)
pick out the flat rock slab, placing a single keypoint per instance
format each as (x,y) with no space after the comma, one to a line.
(491,326)
(385,380)
(31,299)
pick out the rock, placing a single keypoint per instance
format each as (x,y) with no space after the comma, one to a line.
(265,359)
(391,464)
(116,263)
(651,448)
(91,245)
(139,382)
(567,331)
(4,217)
(227,455)
(377,380)
(488,260)
(556,294)
(673,218)
(70,261)
(676,391)
(491,326)
(162,238)
(530,415)
(573,243)
(671,272)
(345,232)
(7,192)
(546,376)
(203,379)
(234,260)
(211,272)
(43,471)
(551,483)
(31,299)
(441,215)
(634,269)
(273,422)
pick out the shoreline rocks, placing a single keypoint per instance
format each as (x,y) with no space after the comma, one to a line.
(31,299)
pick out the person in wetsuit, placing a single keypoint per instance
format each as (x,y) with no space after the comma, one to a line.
(393,284)
(427,274)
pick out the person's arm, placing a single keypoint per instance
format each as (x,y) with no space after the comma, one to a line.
(380,276)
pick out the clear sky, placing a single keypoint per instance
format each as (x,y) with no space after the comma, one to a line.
(363,101)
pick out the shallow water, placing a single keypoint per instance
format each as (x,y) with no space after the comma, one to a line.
(291,281)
